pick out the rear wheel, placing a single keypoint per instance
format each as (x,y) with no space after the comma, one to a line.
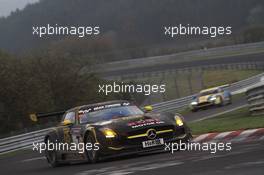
(51,155)
(230,100)
(92,155)
(219,101)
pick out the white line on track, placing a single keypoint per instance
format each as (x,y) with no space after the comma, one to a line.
(245,164)
(33,159)
(124,170)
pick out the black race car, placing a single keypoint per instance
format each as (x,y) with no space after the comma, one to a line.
(110,129)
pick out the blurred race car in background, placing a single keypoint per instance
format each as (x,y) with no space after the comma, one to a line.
(113,128)
(211,97)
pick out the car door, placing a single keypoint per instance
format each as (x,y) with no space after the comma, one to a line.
(66,128)
(76,139)
(75,131)
(71,135)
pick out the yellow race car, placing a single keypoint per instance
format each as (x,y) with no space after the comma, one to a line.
(216,96)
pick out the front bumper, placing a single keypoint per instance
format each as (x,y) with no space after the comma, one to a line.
(203,105)
(134,146)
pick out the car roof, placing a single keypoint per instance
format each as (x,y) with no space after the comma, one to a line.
(97,104)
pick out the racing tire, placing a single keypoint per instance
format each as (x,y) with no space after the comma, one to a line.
(194,110)
(221,102)
(189,138)
(93,156)
(186,140)
(230,100)
(51,155)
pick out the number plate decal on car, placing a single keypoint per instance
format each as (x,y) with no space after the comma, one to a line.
(151,143)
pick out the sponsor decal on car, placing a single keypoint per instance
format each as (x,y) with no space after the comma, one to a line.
(146,122)
(97,108)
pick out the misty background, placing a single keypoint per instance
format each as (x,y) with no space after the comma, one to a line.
(43,74)
(129,29)
(7,6)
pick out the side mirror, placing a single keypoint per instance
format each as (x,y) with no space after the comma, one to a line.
(66,123)
(148,108)
(33,117)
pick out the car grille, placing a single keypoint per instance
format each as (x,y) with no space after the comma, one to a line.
(165,135)
(204,104)
(145,129)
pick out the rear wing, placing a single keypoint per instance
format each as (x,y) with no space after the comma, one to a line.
(35,116)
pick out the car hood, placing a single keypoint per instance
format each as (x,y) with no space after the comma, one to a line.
(137,122)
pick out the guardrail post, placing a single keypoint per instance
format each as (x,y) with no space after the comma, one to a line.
(255,98)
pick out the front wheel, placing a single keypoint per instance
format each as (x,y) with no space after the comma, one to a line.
(92,155)
(51,155)
(219,101)
(190,137)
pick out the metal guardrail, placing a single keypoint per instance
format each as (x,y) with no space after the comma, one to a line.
(255,98)
(25,140)
(182,56)
(22,141)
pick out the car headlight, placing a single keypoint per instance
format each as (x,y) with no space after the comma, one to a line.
(212,98)
(109,133)
(178,121)
(194,103)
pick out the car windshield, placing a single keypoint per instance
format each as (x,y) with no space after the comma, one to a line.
(109,114)
(209,92)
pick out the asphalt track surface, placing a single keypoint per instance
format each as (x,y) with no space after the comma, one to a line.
(244,158)
(259,57)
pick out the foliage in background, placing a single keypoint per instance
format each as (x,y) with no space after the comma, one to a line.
(44,84)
